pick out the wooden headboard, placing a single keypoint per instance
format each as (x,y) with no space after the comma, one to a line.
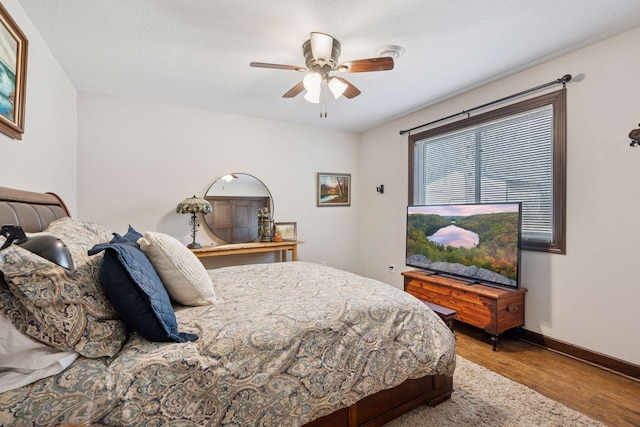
(32,211)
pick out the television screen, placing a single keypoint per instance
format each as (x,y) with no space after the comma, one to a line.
(478,242)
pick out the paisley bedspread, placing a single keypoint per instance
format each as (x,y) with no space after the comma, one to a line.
(286,344)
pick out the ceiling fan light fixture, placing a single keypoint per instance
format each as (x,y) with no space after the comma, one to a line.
(313,96)
(321,46)
(312,82)
(321,51)
(337,87)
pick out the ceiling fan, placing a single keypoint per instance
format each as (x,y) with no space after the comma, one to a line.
(321,53)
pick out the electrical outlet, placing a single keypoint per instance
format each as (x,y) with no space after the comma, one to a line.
(392,268)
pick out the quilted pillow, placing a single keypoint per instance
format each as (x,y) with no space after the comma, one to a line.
(131,235)
(182,274)
(137,292)
(67,310)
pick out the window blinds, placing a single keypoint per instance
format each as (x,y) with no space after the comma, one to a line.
(506,160)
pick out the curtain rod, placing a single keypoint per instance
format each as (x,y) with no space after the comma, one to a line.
(564,79)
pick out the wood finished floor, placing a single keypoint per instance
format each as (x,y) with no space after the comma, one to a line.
(600,394)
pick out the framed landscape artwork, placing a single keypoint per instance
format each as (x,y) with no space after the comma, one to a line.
(13,73)
(333,189)
(287,230)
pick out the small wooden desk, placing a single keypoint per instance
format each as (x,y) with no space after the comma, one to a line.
(250,248)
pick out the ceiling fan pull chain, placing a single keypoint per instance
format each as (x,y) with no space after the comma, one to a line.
(323,101)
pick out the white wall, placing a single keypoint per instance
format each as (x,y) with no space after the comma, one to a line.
(588,297)
(137,160)
(45,158)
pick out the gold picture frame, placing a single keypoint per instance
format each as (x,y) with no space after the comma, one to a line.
(288,231)
(333,189)
(13,69)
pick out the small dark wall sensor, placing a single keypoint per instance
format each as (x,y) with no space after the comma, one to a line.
(380,189)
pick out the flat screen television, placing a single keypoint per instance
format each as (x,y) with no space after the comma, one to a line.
(477,242)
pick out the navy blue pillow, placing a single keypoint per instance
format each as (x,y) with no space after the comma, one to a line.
(136,291)
(131,235)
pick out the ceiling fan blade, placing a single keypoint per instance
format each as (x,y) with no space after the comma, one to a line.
(364,65)
(277,66)
(294,91)
(351,91)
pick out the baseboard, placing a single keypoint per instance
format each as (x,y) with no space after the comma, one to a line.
(604,361)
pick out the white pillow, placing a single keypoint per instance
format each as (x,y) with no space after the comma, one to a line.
(23,360)
(183,275)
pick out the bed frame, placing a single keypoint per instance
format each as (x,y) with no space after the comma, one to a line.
(387,405)
(35,211)
(32,211)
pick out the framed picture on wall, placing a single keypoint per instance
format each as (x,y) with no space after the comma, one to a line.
(287,230)
(13,74)
(333,189)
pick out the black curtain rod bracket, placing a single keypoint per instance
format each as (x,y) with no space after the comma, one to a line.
(564,80)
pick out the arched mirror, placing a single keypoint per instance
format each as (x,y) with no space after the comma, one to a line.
(236,199)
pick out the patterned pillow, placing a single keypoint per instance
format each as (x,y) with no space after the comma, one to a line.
(182,274)
(83,235)
(8,307)
(67,310)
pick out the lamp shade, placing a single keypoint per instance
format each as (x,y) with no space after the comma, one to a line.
(321,46)
(312,82)
(49,247)
(337,87)
(46,246)
(194,205)
(313,96)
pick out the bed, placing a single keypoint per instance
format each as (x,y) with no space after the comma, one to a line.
(283,344)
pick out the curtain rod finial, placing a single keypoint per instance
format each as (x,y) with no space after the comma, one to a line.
(564,79)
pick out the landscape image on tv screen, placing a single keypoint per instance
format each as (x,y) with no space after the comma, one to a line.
(480,242)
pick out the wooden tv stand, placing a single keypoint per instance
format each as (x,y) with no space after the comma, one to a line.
(493,309)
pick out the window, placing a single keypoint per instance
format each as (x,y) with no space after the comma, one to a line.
(512,154)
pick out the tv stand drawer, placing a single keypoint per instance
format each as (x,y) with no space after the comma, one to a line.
(493,309)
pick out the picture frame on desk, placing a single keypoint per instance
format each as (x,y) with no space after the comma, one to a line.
(288,231)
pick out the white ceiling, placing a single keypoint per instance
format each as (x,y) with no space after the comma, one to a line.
(196,53)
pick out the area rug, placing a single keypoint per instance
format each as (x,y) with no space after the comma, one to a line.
(483,398)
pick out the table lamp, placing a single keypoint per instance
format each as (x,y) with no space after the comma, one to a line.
(194,205)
